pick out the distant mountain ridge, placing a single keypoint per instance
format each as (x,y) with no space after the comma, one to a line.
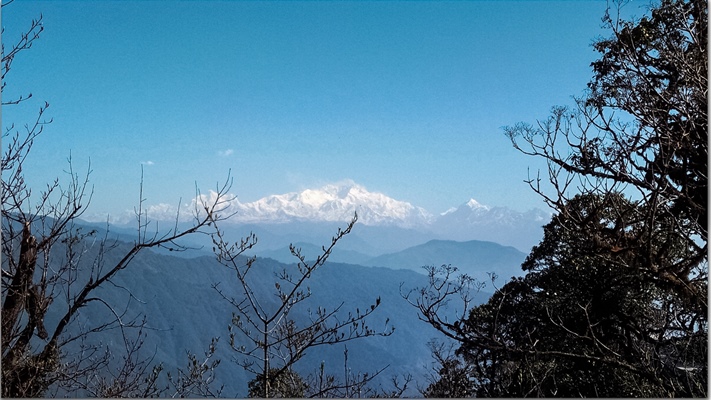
(474,221)
(475,258)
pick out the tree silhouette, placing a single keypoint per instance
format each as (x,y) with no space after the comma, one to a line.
(614,302)
(262,331)
(44,273)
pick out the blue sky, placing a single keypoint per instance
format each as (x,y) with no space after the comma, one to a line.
(404,98)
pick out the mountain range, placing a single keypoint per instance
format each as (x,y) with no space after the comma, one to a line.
(385,224)
(475,258)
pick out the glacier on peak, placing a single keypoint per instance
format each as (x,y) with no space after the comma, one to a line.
(470,206)
(449,211)
(473,204)
(334,203)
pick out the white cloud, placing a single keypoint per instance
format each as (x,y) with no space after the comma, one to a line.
(225,153)
(147,162)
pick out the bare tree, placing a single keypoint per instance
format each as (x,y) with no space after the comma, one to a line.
(321,384)
(444,287)
(274,342)
(44,271)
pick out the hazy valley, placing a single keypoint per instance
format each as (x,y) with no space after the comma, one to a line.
(383,257)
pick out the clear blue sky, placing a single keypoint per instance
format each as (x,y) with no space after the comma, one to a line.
(405,98)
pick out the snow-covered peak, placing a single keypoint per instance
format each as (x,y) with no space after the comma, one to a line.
(332,202)
(473,204)
(449,211)
(344,190)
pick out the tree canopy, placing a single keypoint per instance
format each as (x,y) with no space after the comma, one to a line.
(614,302)
(583,323)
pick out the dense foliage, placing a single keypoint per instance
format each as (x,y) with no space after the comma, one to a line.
(584,322)
(614,302)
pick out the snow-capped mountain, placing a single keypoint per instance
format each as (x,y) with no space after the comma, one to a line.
(475,221)
(476,213)
(472,207)
(387,219)
(333,203)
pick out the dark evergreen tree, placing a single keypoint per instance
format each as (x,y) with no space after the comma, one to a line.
(614,302)
(582,323)
(453,376)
